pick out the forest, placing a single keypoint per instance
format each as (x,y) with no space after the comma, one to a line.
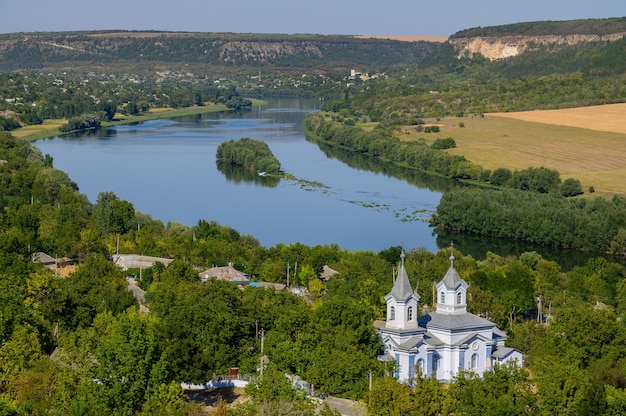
(74,340)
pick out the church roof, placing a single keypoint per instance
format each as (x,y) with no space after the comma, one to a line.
(412,342)
(453,322)
(502,352)
(402,289)
(452,280)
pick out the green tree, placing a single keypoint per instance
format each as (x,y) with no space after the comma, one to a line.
(129,363)
(388,397)
(504,390)
(500,176)
(571,187)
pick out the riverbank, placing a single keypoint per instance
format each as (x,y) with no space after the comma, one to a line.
(50,128)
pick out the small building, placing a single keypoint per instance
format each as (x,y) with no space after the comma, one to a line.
(444,342)
(136,261)
(228,273)
(50,262)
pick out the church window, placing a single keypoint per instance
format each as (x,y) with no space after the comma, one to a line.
(442,297)
(393,313)
(458,298)
(435,363)
(474,363)
(409,315)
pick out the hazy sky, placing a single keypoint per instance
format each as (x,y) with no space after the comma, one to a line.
(352,17)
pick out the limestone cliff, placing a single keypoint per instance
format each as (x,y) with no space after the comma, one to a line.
(499,47)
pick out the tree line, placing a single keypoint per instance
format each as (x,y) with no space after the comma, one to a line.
(587,224)
(380,143)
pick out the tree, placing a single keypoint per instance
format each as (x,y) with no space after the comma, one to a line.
(199,326)
(430,396)
(388,397)
(129,363)
(97,286)
(500,176)
(113,215)
(504,390)
(566,389)
(571,187)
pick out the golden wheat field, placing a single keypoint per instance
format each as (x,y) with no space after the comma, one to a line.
(586,143)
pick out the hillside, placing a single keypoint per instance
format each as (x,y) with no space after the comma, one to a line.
(177,49)
(498,42)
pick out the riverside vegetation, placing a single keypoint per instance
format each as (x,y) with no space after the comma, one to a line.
(77,343)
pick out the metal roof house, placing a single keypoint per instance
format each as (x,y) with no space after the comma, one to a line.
(444,342)
(136,261)
(228,273)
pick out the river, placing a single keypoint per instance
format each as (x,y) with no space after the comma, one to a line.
(167,169)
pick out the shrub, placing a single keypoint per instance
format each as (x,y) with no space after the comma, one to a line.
(571,187)
(500,177)
(447,143)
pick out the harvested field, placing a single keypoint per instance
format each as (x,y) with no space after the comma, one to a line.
(588,143)
(611,117)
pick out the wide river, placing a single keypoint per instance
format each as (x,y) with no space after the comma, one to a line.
(167,169)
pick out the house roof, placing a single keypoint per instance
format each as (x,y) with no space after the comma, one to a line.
(327,273)
(228,273)
(44,258)
(49,261)
(136,261)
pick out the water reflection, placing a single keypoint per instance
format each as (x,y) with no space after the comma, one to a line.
(237,174)
(372,164)
(478,247)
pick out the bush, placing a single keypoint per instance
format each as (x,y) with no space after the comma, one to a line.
(440,144)
(84,122)
(500,177)
(8,124)
(571,187)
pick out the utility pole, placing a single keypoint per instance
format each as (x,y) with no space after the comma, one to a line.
(295,271)
(262,340)
(262,359)
(287,274)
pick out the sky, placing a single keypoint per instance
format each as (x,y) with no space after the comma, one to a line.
(346,17)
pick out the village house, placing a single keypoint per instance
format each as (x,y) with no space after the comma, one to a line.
(136,261)
(444,342)
(228,273)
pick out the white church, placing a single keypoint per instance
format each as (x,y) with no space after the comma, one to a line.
(441,343)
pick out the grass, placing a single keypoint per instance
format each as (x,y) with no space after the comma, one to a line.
(588,143)
(50,128)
